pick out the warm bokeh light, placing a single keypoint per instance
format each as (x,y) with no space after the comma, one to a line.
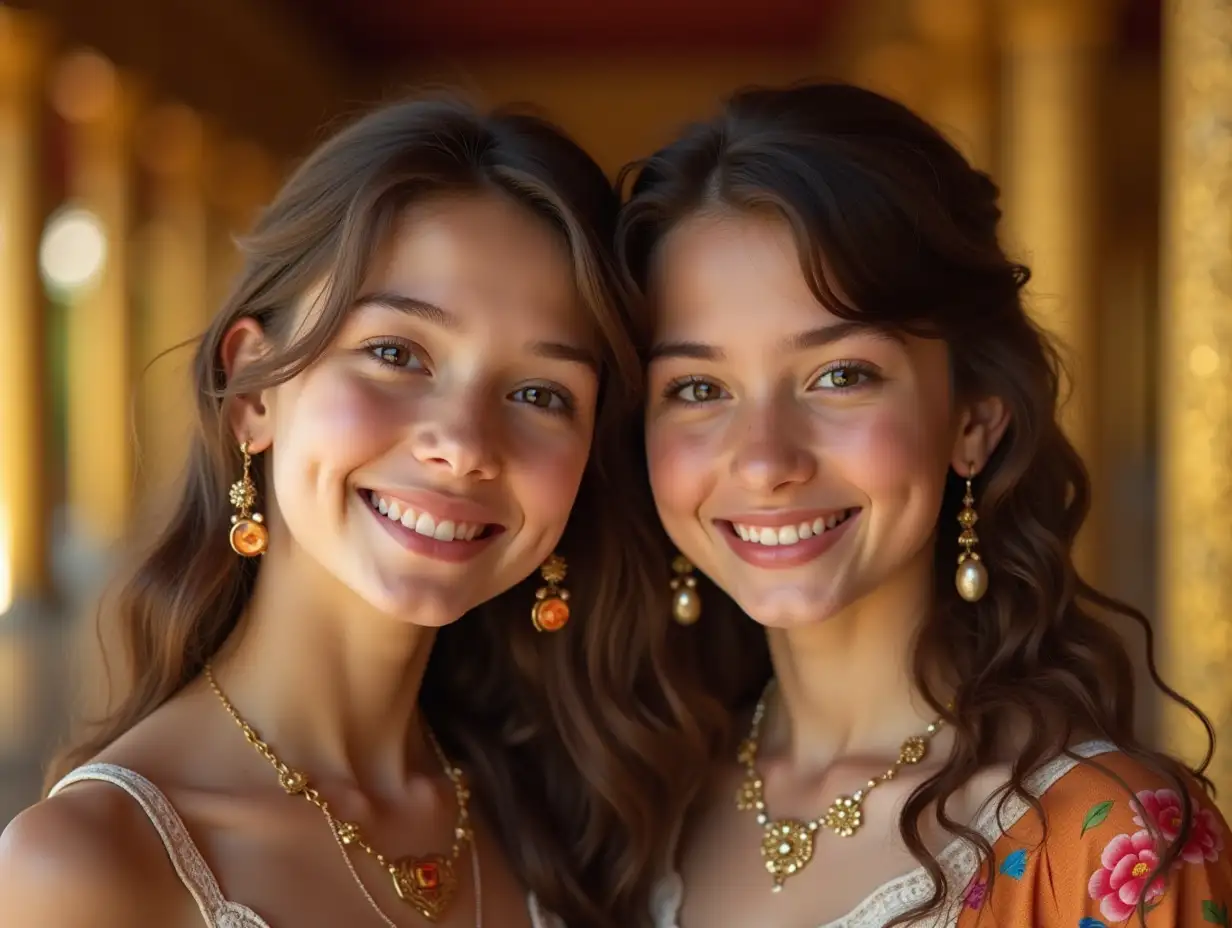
(83,86)
(73,250)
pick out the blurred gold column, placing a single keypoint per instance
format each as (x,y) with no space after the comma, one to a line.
(1195,398)
(961,97)
(1052,58)
(174,248)
(24,504)
(99,106)
(241,181)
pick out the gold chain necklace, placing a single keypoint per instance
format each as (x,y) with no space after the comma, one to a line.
(787,843)
(428,882)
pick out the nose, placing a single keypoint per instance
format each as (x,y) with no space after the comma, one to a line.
(457,438)
(770,452)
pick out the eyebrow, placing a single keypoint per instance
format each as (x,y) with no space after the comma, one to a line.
(558,351)
(409,305)
(555,351)
(813,338)
(829,334)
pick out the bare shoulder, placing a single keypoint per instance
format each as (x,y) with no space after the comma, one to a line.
(86,857)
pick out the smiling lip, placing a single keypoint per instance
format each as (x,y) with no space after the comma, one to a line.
(790,553)
(454,530)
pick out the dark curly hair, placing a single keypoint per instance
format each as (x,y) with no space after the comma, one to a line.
(908,231)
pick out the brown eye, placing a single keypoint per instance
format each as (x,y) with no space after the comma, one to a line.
(542,398)
(396,354)
(536,396)
(842,377)
(696,391)
(390,354)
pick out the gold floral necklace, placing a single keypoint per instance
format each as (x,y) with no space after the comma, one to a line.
(429,882)
(787,843)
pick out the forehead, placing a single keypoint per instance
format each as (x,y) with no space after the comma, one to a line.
(480,253)
(715,271)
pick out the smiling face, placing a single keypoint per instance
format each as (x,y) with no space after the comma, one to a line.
(798,459)
(428,460)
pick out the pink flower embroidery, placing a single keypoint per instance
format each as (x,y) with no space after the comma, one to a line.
(1163,807)
(973,898)
(1121,883)
(1205,839)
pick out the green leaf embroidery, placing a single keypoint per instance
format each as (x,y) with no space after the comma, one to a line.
(1096,815)
(1215,913)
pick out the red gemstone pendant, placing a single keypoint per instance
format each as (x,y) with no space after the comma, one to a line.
(427,883)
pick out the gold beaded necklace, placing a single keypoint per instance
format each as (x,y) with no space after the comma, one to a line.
(787,844)
(428,882)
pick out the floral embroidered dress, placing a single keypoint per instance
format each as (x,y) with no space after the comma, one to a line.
(1093,868)
(1090,872)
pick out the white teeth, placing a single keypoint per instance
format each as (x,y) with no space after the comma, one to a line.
(788,534)
(424,523)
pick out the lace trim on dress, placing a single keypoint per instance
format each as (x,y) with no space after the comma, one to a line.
(191,867)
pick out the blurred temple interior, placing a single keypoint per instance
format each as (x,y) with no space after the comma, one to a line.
(138,136)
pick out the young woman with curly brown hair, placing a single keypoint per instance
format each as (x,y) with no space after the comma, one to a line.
(853,432)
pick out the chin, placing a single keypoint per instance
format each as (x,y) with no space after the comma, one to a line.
(414,601)
(791,608)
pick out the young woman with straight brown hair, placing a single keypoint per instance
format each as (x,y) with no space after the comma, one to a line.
(414,398)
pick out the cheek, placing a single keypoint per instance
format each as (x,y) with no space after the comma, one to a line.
(544,471)
(332,424)
(681,462)
(327,428)
(891,451)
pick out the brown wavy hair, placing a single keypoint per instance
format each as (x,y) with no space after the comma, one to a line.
(574,742)
(908,231)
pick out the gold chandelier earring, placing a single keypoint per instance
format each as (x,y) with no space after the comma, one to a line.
(686,601)
(249,537)
(971,579)
(551,609)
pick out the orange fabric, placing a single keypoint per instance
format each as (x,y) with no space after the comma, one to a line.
(1090,870)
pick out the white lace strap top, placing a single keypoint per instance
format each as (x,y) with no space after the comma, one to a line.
(191,867)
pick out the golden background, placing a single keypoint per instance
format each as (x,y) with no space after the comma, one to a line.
(137,136)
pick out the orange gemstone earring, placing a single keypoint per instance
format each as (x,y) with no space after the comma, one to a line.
(551,609)
(971,578)
(249,537)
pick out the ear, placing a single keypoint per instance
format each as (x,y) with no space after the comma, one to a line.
(249,414)
(982,425)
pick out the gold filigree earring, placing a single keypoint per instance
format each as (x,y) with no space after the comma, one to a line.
(249,537)
(551,609)
(686,601)
(971,579)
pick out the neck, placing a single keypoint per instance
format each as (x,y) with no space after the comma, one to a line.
(330,684)
(845,685)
